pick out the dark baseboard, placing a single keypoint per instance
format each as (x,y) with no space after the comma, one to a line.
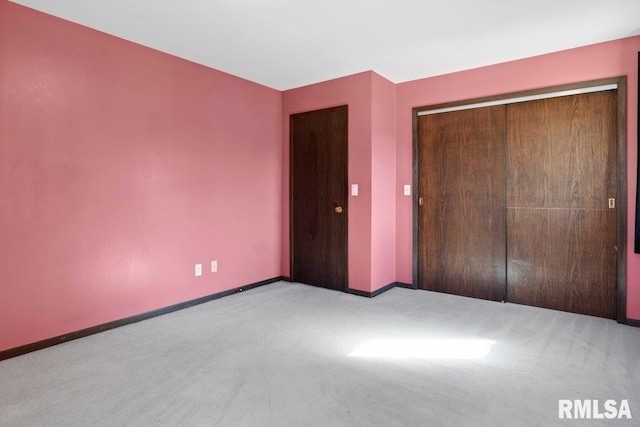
(405,285)
(379,291)
(383,289)
(28,348)
(632,322)
(255,285)
(359,293)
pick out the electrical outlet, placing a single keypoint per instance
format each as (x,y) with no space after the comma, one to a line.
(214,266)
(198,269)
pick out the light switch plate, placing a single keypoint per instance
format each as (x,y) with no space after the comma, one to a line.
(407,190)
(354,189)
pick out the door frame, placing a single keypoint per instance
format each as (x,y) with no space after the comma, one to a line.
(621,127)
(345,239)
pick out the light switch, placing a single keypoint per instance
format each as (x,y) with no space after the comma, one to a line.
(354,189)
(407,190)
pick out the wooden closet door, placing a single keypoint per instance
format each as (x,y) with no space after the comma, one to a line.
(561,174)
(461,224)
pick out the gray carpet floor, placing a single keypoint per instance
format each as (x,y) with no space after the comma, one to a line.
(295,355)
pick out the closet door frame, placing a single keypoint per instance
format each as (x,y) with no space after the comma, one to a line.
(621,92)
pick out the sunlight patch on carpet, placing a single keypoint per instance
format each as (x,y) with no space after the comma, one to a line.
(392,348)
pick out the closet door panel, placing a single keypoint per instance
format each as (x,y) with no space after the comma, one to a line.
(461,226)
(561,181)
(560,259)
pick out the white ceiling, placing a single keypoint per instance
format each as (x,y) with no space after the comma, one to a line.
(285,44)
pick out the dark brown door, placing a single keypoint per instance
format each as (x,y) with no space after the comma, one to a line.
(461,223)
(319,198)
(561,176)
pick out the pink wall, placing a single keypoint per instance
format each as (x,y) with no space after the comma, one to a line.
(611,59)
(383,182)
(120,169)
(371,239)
(354,91)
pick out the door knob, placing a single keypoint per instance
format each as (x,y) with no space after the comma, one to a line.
(338,209)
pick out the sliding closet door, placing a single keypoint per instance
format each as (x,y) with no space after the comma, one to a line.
(461,222)
(561,203)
